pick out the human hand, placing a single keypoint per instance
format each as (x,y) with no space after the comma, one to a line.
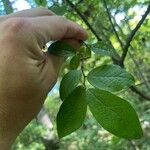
(26,73)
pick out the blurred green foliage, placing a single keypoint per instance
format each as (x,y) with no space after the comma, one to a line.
(30,138)
(125,16)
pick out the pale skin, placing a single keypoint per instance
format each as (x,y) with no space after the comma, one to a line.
(26,73)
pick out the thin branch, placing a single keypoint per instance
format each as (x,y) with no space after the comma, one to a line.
(132,144)
(84,19)
(119,28)
(139,70)
(115,60)
(133,88)
(132,57)
(109,17)
(132,34)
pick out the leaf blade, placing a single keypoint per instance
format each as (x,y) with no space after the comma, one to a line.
(74,62)
(114,114)
(69,83)
(103,49)
(72,112)
(62,49)
(110,77)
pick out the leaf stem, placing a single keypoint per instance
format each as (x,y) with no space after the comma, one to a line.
(83,73)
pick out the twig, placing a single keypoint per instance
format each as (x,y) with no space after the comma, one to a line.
(132,34)
(139,70)
(86,45)
(84,19)
(119,28)
(115,60)
(130,37)
(132,144)
(132,57)
(109,17)
(133,88)
(139,84)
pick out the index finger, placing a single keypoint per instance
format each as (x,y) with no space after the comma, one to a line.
(34,12)
(51,28)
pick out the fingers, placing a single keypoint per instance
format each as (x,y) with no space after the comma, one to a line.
(50,70)
(53,64)
(58,60)
(56,28)
(34,12)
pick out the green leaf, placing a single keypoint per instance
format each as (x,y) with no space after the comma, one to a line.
(59,10)
(84,52)
(114,114)
(75,62)
(103,49)
(110,77)
(69,83)
(61,48)
(88,52)
(41,2)
(72,112)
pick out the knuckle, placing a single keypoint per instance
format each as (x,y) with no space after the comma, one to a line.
(13,28)
(15,24)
